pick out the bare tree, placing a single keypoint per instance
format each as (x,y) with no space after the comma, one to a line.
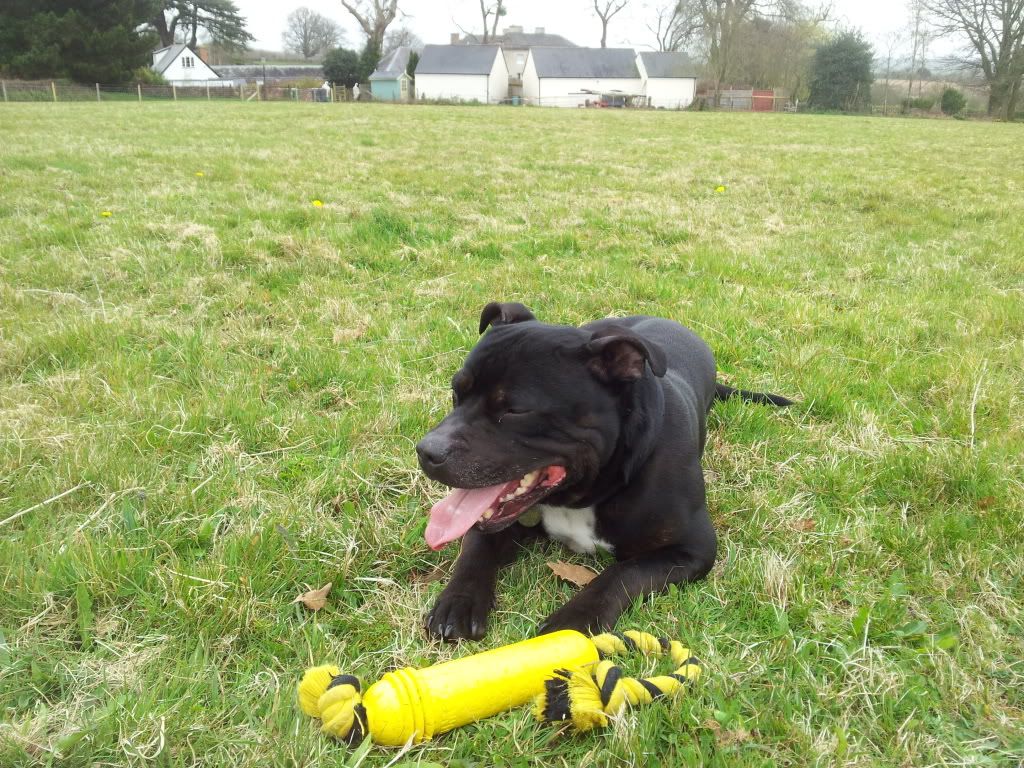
(719,24)
(918,30)
(893,40)
(374,17)
(993,32)
(493,11)
(675,26)
(605,10)
(396,38)
(308,33)
(776,52)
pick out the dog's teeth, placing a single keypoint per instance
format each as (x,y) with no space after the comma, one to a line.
(506,497)
(520,490)
(488,514)
(528,480)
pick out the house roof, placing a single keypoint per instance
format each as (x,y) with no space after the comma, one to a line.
(273,71)
(457,60)
(171,53)
(394,65)
(668,64)
(509,39)
(585,62)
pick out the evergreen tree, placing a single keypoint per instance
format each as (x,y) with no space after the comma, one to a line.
(181,20)
(841,74)
(342,67)
(101,41)
(368,60)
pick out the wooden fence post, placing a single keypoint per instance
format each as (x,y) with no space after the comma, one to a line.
(3,83)
(174,92)
(53,87)
(259,91)
(139,87)
(97,92)
(207,90)
(241,91)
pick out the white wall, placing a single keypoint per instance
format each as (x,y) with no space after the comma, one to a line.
(179,74)
(512,56)
(566,91)
(670,92)
(530,81)
(453,87)
(498,81)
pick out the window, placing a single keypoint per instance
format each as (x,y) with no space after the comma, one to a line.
(187,62)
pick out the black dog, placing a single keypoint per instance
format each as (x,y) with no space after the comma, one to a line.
(604,424)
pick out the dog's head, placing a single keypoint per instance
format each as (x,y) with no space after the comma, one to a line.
(537,412)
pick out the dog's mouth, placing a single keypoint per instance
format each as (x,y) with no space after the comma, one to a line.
(490,509)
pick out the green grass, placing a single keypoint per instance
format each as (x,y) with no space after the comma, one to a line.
(231,381)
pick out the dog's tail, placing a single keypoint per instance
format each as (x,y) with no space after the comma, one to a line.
(723,392)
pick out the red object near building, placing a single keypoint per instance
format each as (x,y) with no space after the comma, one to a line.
(764,100)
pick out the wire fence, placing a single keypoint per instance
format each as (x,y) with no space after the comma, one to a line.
(54,91)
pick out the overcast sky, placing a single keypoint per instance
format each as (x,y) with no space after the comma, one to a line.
(434,20)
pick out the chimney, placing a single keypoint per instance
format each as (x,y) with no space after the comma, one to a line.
(513,30)
(454,38)
(540,31)
(203,53)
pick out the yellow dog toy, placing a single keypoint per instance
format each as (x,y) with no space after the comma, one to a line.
(566,674)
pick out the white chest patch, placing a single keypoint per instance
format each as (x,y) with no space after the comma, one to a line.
(576,528)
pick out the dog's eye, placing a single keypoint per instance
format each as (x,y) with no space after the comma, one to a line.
(517,411)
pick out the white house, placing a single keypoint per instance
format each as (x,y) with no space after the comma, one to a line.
(515,45)
(570,77)
(462,73)
(180,65)
(669,79)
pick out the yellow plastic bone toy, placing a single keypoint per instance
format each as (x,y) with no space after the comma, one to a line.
(564,672)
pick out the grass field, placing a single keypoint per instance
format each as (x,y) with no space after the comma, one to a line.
(209,399)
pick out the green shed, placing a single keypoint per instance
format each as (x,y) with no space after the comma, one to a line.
(390,81)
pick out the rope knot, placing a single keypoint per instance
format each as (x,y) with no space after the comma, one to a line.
(336,700)
(589,695)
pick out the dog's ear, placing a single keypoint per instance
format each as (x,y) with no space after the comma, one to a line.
(504,314)
(618,354)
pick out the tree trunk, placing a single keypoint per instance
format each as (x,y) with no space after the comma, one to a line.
(604,32)
(1011,105)
(165,33)
(999,97)
(193,41)
(497,15)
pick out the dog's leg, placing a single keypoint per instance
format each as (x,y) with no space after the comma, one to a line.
(461,609)
(599,604)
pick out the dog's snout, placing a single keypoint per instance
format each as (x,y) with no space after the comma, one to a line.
(433,450)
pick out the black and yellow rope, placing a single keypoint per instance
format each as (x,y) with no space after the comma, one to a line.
(588,696)
(335,699)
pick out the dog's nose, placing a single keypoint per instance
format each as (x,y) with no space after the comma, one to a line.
(433,450)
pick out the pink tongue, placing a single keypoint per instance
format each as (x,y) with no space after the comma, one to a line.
(456,513)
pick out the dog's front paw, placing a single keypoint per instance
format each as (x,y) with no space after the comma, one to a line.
(459,615)
(587,618)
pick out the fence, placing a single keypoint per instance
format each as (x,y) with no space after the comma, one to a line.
(53,91)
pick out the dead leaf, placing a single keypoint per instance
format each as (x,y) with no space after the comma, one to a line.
(807,524)
(986,502)
(315,599)
(579,575)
